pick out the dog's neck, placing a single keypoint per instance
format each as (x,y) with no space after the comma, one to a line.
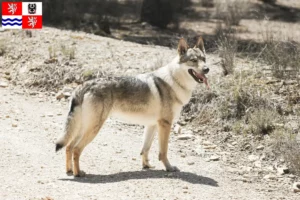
(179,79)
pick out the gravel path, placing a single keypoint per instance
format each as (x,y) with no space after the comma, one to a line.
(30,168)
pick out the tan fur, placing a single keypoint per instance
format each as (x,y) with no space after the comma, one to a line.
(153,100)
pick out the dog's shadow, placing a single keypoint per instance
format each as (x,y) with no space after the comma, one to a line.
(145,174)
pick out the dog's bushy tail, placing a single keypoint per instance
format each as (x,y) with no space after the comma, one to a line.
(72,124)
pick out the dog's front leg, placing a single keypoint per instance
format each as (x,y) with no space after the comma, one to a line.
(164,128)
(149,134)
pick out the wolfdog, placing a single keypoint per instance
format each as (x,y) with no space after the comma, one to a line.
(152,99)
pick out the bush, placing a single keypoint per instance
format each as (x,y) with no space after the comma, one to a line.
(282,55)
(262,121)
(286,144)
(227,46)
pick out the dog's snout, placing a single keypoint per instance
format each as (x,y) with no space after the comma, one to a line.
(205,70)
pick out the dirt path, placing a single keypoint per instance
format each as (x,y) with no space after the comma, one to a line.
(30,168)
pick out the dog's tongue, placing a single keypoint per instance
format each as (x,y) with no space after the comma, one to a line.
(203,77)
(205,82)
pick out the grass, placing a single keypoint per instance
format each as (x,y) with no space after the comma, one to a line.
(3,47)
(68,51)
(227,47)
(286,145)
(231,11)
(262,121)
(207,3)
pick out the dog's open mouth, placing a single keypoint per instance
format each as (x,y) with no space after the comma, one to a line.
(200,78)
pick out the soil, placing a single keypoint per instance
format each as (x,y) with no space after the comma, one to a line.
(32,170)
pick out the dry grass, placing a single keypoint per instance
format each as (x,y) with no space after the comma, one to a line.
(207,3)
(282,55)
(231,11)
(287,145)
(227,46)
(262,121)
(3,47)
(68,51)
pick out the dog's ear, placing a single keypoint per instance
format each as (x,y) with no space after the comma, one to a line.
(182,46)
(200,44)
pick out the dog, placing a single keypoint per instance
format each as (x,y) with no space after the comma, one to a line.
(153,99)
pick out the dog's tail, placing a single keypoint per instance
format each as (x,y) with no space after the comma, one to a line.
(72,124)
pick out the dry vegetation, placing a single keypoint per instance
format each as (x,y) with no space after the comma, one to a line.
(245,98)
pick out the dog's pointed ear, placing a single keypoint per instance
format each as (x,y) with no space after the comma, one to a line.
(182,46)
(200,44)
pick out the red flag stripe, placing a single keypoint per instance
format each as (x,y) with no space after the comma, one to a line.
(32,22)
(11,8)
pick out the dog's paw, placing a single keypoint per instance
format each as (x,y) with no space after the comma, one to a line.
(148,166)
(80,174)
(172,169)
(69,172)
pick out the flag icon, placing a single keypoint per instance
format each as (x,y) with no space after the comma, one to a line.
(22,15)
(12,22)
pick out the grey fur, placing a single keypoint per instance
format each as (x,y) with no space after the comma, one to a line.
(152,99)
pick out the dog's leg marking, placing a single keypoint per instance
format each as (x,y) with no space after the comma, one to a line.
(69,155)
(92,121)
(164,128)
(149,133)
(87,137)
(69,159)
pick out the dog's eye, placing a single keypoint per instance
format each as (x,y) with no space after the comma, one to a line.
(194,60)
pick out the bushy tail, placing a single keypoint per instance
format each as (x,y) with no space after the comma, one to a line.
(72,124)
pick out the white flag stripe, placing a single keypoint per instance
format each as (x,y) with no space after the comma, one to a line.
(12,27)
(11,22)
(39,8)
(12,16)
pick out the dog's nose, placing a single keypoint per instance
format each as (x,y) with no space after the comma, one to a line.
(205,70)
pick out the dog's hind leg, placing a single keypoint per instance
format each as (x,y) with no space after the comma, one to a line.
(149,134)
(94,116)
(69,155)
(164,128)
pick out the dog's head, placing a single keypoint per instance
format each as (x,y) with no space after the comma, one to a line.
(193,60)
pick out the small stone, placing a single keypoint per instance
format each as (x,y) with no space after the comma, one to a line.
(253,158)
(185,187)
(296,187)
(234,143)
(191,163)
(177,129)
(3,84)
(257,164)
(185,137)
(210,147)
(67,94)
(282,170)
(260,147)
(270,177)
(50,115)
(59,96)
(133,158)
(14,124)
(214,158)
(207,143)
